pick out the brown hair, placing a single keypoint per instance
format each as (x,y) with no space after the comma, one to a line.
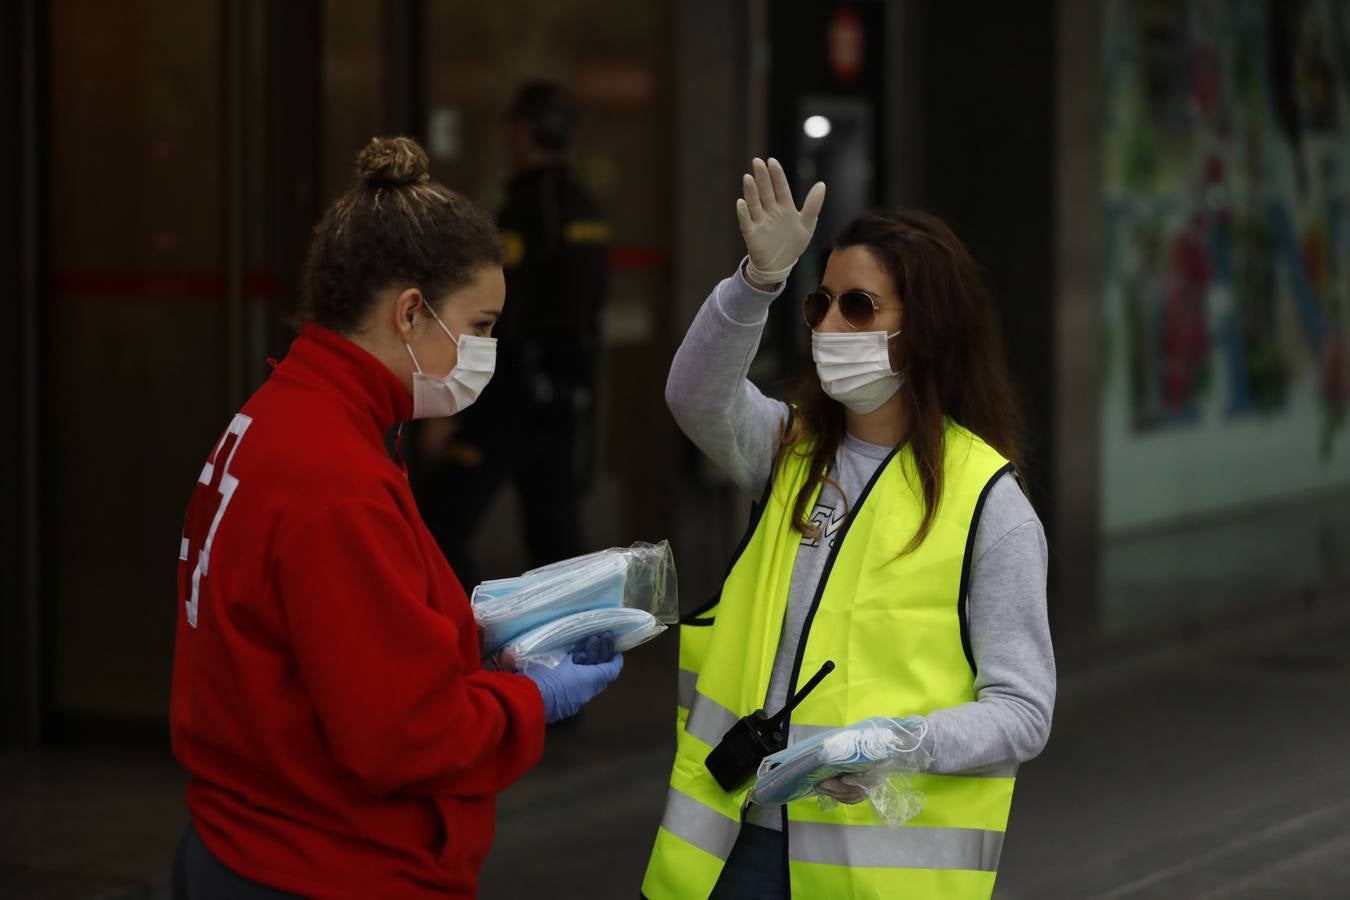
(950,350)
(397,227)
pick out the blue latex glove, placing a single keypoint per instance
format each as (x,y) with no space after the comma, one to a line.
(574,682)
(598,648)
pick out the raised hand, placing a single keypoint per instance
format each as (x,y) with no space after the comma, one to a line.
(776,232)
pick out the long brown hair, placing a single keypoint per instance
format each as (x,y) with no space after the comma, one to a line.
(950,350)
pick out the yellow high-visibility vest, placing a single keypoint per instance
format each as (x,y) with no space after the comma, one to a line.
(895,627)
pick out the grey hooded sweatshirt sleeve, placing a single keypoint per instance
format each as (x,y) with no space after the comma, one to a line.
(731,421)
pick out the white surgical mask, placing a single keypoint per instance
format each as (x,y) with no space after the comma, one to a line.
(855,368)
(437,397)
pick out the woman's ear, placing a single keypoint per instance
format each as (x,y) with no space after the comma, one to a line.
(407,310)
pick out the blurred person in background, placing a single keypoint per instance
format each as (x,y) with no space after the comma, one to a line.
(537,428)
(329,702)
(891,536)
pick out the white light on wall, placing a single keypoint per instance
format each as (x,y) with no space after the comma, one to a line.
(444,136)
(816,127)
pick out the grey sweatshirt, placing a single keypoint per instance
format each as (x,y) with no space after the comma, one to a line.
(731,421)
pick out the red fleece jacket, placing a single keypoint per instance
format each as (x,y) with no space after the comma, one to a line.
(328,698)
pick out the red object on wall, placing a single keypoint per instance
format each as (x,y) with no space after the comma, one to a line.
(845,44)
(636,259)
(258,285)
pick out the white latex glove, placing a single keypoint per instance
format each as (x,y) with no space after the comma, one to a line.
(776,233)
(850,789)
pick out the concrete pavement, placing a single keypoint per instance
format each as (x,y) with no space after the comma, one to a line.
(1218,770)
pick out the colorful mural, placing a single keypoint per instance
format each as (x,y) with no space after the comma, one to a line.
(1227,186)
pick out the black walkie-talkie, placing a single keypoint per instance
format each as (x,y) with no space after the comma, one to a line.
(738,755)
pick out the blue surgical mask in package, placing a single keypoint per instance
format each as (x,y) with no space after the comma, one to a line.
(512,606)
(550,643)
(640,577)
(879,751)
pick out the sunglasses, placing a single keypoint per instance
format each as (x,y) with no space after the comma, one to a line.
(859,308)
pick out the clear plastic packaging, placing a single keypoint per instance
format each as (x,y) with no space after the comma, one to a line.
(549,644)
(875,754)
(640,577)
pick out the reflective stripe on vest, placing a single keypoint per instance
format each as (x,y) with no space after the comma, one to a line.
(700,825)
(907,847)
(685,695)
(709,720)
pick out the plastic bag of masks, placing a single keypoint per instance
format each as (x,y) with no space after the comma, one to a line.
(875,754)
(542,615)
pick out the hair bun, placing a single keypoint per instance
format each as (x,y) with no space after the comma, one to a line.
(393,162)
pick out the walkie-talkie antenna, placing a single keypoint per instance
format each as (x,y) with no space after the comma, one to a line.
(807,688)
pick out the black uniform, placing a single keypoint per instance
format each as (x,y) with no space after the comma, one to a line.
(534,423)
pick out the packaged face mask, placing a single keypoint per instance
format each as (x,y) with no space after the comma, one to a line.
(885,748)
(640,577)
(551,643)
(512,606)
(567,565)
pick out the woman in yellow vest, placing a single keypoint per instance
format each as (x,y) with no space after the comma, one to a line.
(891,537)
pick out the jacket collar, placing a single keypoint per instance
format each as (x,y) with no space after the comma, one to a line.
(363,386)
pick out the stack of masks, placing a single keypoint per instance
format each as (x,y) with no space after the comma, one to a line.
(879,752)
(545,614)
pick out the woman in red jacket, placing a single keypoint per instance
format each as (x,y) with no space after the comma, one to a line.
(328,697)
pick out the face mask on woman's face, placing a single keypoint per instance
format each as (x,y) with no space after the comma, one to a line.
(436,397)
(855,368)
